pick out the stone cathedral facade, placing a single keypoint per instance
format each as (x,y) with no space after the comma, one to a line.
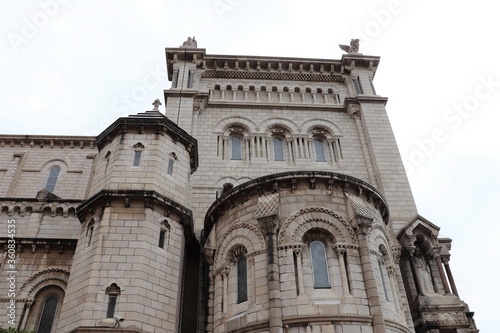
(270,196)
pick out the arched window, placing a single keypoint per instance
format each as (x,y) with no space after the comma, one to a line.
(52,180)
(319,148)
(278,149)
(170,167)
(48,315)
(319,265)
(242,279)
(235,148)
(139,147)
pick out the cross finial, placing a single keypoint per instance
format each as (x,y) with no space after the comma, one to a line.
(156,104)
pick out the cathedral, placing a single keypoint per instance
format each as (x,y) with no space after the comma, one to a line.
(264,195)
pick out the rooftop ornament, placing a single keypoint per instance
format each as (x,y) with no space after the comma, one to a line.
(190,43)
(353,48)
(156,104)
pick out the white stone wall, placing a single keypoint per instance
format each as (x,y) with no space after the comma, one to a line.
(151,173)
(302,210)
(24,168)
(124,250)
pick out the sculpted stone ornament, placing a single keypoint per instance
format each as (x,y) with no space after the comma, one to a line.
(423,271)
(190,43)
(353,48)
(156,104)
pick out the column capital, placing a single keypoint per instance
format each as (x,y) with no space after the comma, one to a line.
(268,224)
(339,249)
(445,259)
(209,253)
(362,224)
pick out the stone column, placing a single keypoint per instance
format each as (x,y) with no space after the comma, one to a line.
(332,152)
(252,285)
(442,275)
(290,150)
(362,225)
(300,276)
(26,314)
(395,292)
(309,149)
(248,147)
(269,225)
(209,257)
(416,279)
(296,147)
(225,276)
(225,148)
(446,262)
(340,250)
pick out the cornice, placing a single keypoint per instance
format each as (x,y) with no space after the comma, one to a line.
(151,199)
(155,123)
(47,141)
(289,180)
(267,64)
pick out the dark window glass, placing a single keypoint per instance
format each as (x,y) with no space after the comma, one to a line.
(161,242)
(111,305)
(90,231)
(242,279)
(48,314)
(320,150)
(235,148)
(137,157)
(175,78)
(190,79)
(278,149)
(319,264)
(170,168)
(52,180)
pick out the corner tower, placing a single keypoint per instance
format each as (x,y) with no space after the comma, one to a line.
(135,227)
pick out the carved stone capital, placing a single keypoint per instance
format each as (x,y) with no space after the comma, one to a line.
(362,224)
(268,224)
(209,254)
(354,110)
(339,249)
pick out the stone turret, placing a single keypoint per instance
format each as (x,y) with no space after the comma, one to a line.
(129,261)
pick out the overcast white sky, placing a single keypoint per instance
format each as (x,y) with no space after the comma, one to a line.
(68,67)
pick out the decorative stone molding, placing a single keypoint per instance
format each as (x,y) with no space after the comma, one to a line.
(150,199)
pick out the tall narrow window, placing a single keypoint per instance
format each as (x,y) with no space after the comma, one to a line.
(382,270)
(235,148)
(278,149)
(137,153)
(107,161)
(113,292)
(358,86)
(242,279)
(320,150)
(372,86)
(170,167)
(190,79)
(175,78)
(48,315)
(137,157)
(161,241)
(164,230)
(52,180)
(90,231)
(319,265)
